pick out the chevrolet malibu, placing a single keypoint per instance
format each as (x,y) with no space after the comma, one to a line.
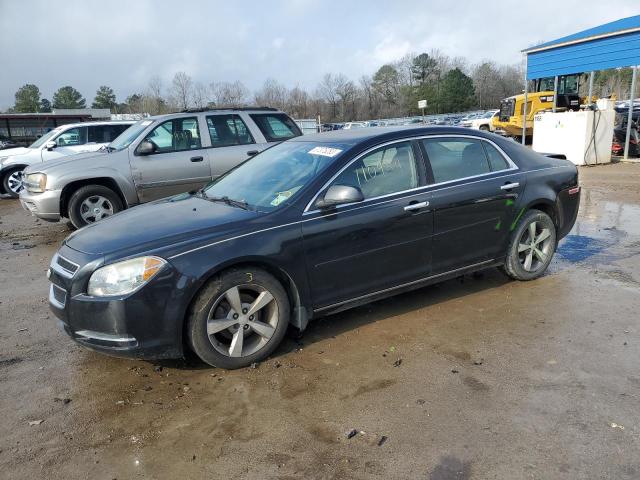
(311,226)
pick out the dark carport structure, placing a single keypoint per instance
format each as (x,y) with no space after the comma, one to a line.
(612,45)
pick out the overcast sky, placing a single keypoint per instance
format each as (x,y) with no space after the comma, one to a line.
(86,43)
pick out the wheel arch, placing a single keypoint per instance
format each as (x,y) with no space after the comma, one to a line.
(7,170)
(71,187)
(300,312)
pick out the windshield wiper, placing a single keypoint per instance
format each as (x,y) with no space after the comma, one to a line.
(229,201)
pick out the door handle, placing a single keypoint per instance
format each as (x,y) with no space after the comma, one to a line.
(196,159)
(416,206)
(251,153)
(509,186)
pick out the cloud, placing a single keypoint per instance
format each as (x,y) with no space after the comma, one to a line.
(123,43)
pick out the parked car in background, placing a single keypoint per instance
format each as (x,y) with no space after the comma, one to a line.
(60,142)
(6,142)
(482,122)
(352,125)
(155,158)
(328,127)
(312,226)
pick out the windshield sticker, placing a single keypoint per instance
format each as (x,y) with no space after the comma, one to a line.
(325,151)
(281,197)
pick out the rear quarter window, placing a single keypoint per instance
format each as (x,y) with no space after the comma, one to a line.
(276,127)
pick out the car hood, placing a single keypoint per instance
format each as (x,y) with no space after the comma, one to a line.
(10,152)
(58,162)
(183,219)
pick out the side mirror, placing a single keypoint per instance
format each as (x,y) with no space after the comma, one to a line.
(50,145)
(338,195)
(145,148)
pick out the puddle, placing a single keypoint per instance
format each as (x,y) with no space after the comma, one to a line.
(604,232)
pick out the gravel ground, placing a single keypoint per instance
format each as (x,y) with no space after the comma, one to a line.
(478,377)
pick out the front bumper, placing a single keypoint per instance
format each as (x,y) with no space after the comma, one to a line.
(146,324)
(45,205)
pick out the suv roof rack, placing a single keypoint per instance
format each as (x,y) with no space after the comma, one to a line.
(197,110)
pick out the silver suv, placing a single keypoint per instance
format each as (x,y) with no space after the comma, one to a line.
(62,141)
(157,157)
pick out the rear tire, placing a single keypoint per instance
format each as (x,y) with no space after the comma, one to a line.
(532,245)
(12,182)
(221,328)
(92,203)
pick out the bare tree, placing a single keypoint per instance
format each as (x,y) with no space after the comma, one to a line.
(200,96)
(327,91)
(297,103)
(346,91)
(226,94)
(182,90)
(272,94)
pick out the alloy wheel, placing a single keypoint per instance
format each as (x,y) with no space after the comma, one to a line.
(95,207)
(534,247)
(15,182)
(242,320)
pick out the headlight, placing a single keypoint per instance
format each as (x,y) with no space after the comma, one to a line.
(36,182)
(124,277)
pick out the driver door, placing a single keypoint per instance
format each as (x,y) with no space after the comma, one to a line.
(178,164)
(382,242)
(69,142)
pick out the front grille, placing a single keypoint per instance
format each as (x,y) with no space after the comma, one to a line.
(66,265)
(58,295)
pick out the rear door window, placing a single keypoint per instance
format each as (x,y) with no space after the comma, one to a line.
(276,127)
(497,162)
(105,133)
(455,158)
(228,130)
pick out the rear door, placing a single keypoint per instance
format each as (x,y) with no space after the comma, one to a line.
(475,192)
(179,163)
(384,241)
(231,142)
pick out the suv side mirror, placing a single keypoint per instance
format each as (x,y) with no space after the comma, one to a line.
(145,148)
(50,145)
(338,195)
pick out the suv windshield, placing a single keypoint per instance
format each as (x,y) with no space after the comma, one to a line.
(127,137)
(47,136)
(275,176)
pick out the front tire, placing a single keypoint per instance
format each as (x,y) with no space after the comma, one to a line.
(484,128)
(238,318)
(92,203)
(532,245)
(12,182)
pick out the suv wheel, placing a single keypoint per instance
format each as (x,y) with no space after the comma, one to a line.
(92,203)
(484,128)
(12,182)
(532,246)
(238,318)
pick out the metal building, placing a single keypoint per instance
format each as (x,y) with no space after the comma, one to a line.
(612,45)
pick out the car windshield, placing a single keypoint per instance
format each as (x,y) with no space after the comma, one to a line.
(47,136)
(127,137)
(275,176)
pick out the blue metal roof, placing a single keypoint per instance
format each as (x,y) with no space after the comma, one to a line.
(612,45)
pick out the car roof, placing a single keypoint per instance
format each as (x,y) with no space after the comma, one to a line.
(91,124)
(191,112)
(358,135)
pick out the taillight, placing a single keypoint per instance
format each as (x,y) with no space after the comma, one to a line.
(574,190)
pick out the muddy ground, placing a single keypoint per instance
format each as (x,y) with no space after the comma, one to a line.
(498,379)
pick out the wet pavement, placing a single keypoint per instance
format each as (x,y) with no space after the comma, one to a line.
(478,377)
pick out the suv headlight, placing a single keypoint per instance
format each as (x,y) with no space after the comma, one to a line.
(124,277)
(36,182)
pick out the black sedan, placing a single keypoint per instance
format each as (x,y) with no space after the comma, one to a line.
(311,226)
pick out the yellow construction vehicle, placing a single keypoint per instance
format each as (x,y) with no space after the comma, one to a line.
(509,121)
